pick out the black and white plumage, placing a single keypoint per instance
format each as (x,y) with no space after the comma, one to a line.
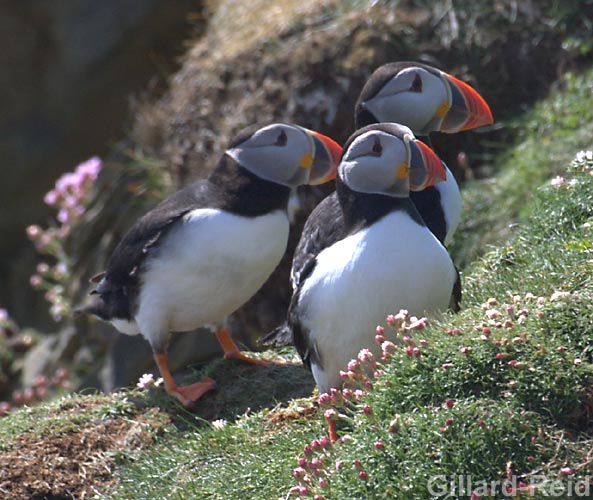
(384,259)
(205,250)
(425,99)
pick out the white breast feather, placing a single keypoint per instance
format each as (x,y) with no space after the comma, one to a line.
(452,204)
(209,265)
(394,264)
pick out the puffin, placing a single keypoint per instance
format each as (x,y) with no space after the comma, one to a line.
(204,251)
(425,99)
(385,259)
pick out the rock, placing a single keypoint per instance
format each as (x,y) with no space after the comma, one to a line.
(70,68)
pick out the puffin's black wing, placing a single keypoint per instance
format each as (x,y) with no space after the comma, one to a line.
(148,230)
(118,285)
(324,227)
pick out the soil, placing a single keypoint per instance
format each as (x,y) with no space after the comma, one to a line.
(76,464)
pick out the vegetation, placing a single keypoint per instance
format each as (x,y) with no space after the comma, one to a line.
(491,403)
(499,396)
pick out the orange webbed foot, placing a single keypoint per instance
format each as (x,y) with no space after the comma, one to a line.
(187,394)
(231,351)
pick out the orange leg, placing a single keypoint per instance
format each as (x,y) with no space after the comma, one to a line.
(331,429)
(187,393)
(232,351)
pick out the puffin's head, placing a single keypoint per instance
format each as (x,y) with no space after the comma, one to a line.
(286,154)
(421,97)
(386,158)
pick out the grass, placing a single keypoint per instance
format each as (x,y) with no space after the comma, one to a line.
(502,392)
(548,136)
(499,396)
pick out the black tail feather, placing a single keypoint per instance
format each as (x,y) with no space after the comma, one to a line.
(279,337)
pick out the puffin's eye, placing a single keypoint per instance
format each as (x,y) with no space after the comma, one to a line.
(377,148)
(416,84)
(282,139)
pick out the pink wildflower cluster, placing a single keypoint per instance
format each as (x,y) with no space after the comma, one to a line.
(315,469)
(69,196)
(583,161)
(40,390)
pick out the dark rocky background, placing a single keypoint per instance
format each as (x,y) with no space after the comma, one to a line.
(69,71)
(249,62)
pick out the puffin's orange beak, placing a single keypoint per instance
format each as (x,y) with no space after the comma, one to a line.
(326,160)
(426,168)
(468,108)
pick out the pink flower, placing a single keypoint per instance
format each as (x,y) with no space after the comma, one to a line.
(363,475)
(566,471)
(419,324)
(330,414)
(449,403)
(298,472)
(90,169)
(379,338)
(35,281)
(492,313)
(339,464)
(367,410)
(366,356)
(5,408)
(379,445)
(63,215)
(145,381)
(324,400)
(465,350)
(353,365)
(303,490)
(42,268)
(51,198)
(388,348)
(391,321)
(325,442)
(33,231)
(557,181)
(446,366)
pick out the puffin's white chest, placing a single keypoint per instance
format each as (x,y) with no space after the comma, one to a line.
(394,264)
(452,204)
(208,266)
